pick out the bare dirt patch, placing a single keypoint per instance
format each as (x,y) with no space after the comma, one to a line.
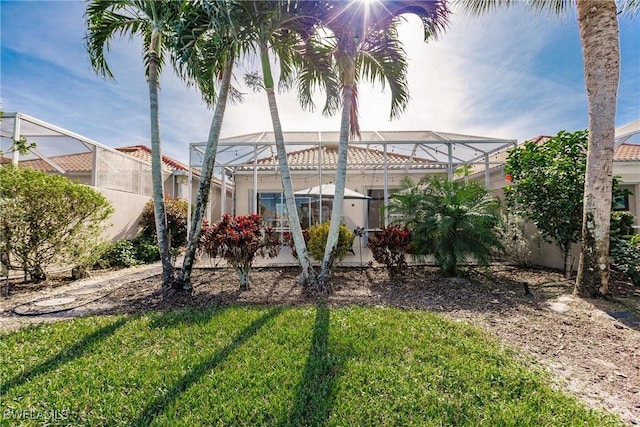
(592,347)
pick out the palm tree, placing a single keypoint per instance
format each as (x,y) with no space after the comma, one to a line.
(451,220)
(367,47)
(287,29)
(153,21)
(598,27)
(205,54)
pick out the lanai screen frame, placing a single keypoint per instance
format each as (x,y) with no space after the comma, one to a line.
(440,149)
(16,125)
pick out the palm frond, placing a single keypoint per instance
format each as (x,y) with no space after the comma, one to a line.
(382,60)
(205,43)
(108,19)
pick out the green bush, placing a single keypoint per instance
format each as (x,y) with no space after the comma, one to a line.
(176,212)
(120,254)
(146,250)
(47,219)
(318,241)
(451,220)
(622,223)
(625,258)
(128,253)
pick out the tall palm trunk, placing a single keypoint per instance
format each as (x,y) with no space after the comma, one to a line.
(308,277)
(156,170)
(598,24)
(209,160)
(341,178)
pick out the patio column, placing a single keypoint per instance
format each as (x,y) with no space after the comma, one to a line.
(320,164)
(223,194)
(386,184)
(255,178)
(189,183)
(487,175)
(450,161)
(94,170)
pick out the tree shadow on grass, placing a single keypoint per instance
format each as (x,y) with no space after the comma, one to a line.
(315,393)
(66,355)
(158,405)
(185,316)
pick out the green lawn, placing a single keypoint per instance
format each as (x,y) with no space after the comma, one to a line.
(274,366)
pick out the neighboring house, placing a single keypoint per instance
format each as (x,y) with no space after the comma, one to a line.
(626,166)
(123,175)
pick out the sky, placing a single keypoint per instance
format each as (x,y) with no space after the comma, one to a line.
(513,74)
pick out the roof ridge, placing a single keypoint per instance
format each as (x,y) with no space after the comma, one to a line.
(350,148)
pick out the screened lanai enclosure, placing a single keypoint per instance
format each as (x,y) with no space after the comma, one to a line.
(123,175)
(81,159)
(247,169)
(378,162)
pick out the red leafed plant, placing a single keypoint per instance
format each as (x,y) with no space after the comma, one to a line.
(239,240)
(389,246)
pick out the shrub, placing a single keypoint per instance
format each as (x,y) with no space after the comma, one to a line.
(128,253)
(548,187)
(47,219)
(519,246)
(120,254)
(239,240)
(625,258)
(622,223)
(145,249)
(86,258)
(318,241)
(176,212)
(389,246)
(451,220)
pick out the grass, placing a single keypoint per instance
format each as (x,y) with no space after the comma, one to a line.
(274,366)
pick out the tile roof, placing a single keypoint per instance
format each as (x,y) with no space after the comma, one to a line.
(74,163)
(83,162)
(357,157)
(627,153)
(624,153)
(143,152)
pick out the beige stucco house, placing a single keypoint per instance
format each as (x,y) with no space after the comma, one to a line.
(377,163)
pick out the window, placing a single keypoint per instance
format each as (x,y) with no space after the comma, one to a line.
(621,203)
(273,209)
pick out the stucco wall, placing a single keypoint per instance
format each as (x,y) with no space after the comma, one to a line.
(127,211)
(550,255)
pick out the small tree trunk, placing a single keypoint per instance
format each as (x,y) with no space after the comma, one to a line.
(567,260)
(341,178)
(308,274)
(80,272)
(184,280)
(243,270)
(37,274)
(156,172)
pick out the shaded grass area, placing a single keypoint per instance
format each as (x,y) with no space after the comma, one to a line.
(310,365)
